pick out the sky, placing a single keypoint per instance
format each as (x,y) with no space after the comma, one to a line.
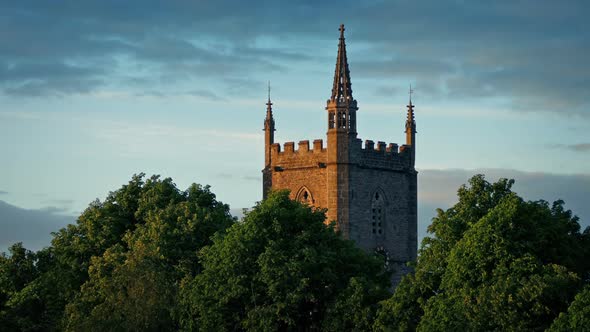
(92,92)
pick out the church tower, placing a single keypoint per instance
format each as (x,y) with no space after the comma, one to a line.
(370,191)
(341,134)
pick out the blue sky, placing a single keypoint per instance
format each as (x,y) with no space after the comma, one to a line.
(92,92)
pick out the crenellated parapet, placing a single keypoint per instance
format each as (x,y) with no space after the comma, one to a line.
(385,156)
(304,156)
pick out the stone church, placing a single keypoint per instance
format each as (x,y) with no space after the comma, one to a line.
(369,190)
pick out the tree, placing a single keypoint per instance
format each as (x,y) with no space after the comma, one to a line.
(133,284)
(119,266)
(577,317)
(282,268)
(494,262)
(17,270)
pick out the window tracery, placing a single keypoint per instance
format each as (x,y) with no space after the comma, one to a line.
(304,196)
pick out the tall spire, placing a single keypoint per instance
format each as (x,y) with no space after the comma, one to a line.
(269,139)
(268,104)
(411,130)
(269,129)
(411,123)
(269,121)
(341,89)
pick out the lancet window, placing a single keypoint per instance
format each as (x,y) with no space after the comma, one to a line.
(378,213)
(304,196)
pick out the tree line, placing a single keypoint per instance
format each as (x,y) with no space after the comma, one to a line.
(152,257)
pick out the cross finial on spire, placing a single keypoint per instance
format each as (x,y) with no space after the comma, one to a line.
(269,91)
(341,29)
(410,93)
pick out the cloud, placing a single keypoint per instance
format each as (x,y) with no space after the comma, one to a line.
(533,54)
(417,67)
(206,94)
(33,227)
(60,201)
(2,192)
(40,79)
(201,93)
(583,147)
(97,44)
(438,189)
(580,147)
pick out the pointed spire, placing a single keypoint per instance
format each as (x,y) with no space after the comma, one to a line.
(341,89)
(269,132)
(410,121)
(269,121)
(268,104)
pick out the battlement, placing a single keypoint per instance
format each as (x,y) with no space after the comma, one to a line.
(383,148)
(303,156)
(303,147)
(382,155)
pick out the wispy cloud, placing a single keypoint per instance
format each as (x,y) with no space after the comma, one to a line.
(580,147)
(205,94)
(584,147)
(201,93)
(60,201)
(119,130)
(147,140)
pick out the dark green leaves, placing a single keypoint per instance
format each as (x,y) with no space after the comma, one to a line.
(494,262)
(283,269)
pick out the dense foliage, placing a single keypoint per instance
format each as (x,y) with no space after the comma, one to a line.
(494,262)
(118,267)
(283,269)
(577,317)
(151,257)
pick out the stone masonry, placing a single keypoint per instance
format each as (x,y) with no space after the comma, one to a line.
(369,190)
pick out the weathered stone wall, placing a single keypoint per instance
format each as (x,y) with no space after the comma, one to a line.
(385,170)
(305,167)
(398,236)
(370,169)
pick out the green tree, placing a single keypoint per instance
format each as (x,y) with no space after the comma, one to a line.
(119,266)
(494,262)
(133,285)
(577,317)
(17,270)
(282,268)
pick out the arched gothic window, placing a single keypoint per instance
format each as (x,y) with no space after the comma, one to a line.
(304,196)
(378,213)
